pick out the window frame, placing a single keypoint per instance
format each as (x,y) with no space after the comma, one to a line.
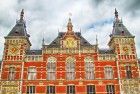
(89,68)
(12,73)
(107,73)
(69,88)
(32,73)
(53,89)
(70,68)
(110,89)
(51,68)
(32,88)
(128,70)
(93,89)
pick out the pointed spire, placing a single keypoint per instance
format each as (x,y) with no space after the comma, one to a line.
(22,15)
(58,31)
(43,41)
(116,13)
(118,27)
(80,30)
(121,20)
(96,40)
(69,25)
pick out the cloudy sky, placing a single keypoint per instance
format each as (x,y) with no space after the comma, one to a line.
(44,18)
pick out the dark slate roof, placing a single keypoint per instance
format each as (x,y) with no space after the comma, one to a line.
(106,51)
(34,52)
(56,42)
(119,29)
(19,29)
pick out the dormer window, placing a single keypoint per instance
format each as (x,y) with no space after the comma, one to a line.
(85,42)
(122,32)
(16,32)
(119,24)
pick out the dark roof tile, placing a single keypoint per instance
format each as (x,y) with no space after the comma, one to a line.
(34,52)
(106,51)
(56,42)
(19,29)
(119,29)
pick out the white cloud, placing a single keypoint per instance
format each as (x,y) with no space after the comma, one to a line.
(47,16)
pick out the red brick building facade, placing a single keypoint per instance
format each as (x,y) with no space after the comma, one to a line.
(70,64)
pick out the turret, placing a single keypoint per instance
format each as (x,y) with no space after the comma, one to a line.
(17,41)
(121,40)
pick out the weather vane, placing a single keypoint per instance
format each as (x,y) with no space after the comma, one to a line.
(70,14)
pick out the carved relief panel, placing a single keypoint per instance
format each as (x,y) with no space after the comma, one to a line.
(14,49)
(70,43)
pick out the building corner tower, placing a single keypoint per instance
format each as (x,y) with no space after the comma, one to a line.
(123,44)
(15,46)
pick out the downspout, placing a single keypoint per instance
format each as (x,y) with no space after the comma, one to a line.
(21,81)
(119,77)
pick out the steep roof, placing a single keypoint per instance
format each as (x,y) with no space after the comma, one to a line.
(20,28)
(118,27)
(56,42)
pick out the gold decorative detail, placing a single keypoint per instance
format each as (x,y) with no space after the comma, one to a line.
(13,83)
(10,87)
(14,49)
(80,83)
(100,82)
(60,82)
(70,43)
(130,86)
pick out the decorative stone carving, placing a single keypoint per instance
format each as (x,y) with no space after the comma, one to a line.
(130,86)
(13,83)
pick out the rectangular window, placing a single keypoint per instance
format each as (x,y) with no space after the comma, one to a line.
(128,72)
(71,89)
(11,73)
(32,73)
(110,89)
(30,89)
(91,89)
(50,89)
(108,73)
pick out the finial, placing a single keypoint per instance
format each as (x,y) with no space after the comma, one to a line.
(70,14)
(96,40)
(21,14)
(69,26)
(121,20)
(116,13)
(58,30)
(80,30)
(43,41)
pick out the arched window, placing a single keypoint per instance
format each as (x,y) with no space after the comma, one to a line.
(70,68)
(51,68)
(89,68)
